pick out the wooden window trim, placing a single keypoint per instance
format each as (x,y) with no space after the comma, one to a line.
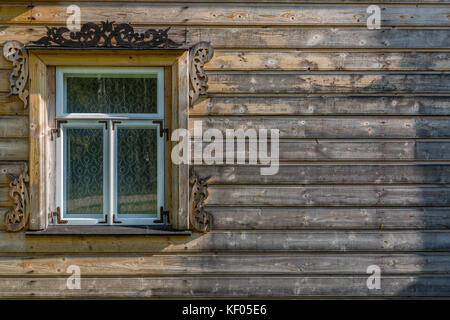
(42,64)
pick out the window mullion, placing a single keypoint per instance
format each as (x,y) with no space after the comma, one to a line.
(112,173)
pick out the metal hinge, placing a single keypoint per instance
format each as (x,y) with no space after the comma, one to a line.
(55,217)
(162,130)
(164,216)
(57,130)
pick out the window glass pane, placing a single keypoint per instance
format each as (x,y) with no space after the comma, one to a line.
(111,94)
(84,171)
(137,170)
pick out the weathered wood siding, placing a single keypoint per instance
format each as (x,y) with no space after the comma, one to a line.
(364,119)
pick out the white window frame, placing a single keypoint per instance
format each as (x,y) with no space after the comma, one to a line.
(61,91)
(110,214)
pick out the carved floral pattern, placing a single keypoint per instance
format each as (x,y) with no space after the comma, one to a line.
(15,52)
(199,54)
(106,35)
(199,219)
(16,218)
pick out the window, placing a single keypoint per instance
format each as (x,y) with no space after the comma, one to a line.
(110,166)
(49,110)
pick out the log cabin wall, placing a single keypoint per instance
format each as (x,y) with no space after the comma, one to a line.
(364,151)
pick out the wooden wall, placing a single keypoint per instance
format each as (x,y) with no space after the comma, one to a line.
(365,150)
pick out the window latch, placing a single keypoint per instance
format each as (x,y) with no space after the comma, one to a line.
(162,131)
(57,130)
(164,216)
(55,217)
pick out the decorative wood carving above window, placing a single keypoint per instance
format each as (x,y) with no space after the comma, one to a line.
(106,35)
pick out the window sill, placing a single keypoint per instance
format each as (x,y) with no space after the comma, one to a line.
(109,231)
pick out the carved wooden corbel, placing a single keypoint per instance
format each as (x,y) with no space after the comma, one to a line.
(16,219)
(15,52)
(199,219)
(199,54)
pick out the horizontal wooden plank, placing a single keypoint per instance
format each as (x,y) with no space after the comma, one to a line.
(280,37)
(244,60)
(209,264)
(322,105)
(14,168)
(182,287)
(329,127)
(5,200)
(12,105)
(13,127)
(4,64)
(356,150)
(301,60)
(364,150)
(226,14)
(321,37)
(234,241)
(282,82)
(107,230)
(4,80)
(264,218)
(254,1)
(303,174)
(343,195)
(13,149)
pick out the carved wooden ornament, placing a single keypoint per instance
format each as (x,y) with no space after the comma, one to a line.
(199,219)
(15,52)
(199,54)
(16,218)
(106,35)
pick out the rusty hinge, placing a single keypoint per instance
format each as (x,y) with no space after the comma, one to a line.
(57,130)
(164,216)
(114,124)
(56,216)
(162,130)
(105,123)
(105,219)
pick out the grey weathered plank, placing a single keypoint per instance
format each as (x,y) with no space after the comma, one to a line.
(360,150)
(12,106)
(262,1)
(13,149)
(329,174)
(229,218)
(335,127)
(210,264)
(282,37)
(4,80)
(13,127)
(5,200)
(282,82)
(322,105)
(256,286)
(14,168)
(342,195)
(226,14)
(365,150)
(308,60)
(235,241)
(321,38)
